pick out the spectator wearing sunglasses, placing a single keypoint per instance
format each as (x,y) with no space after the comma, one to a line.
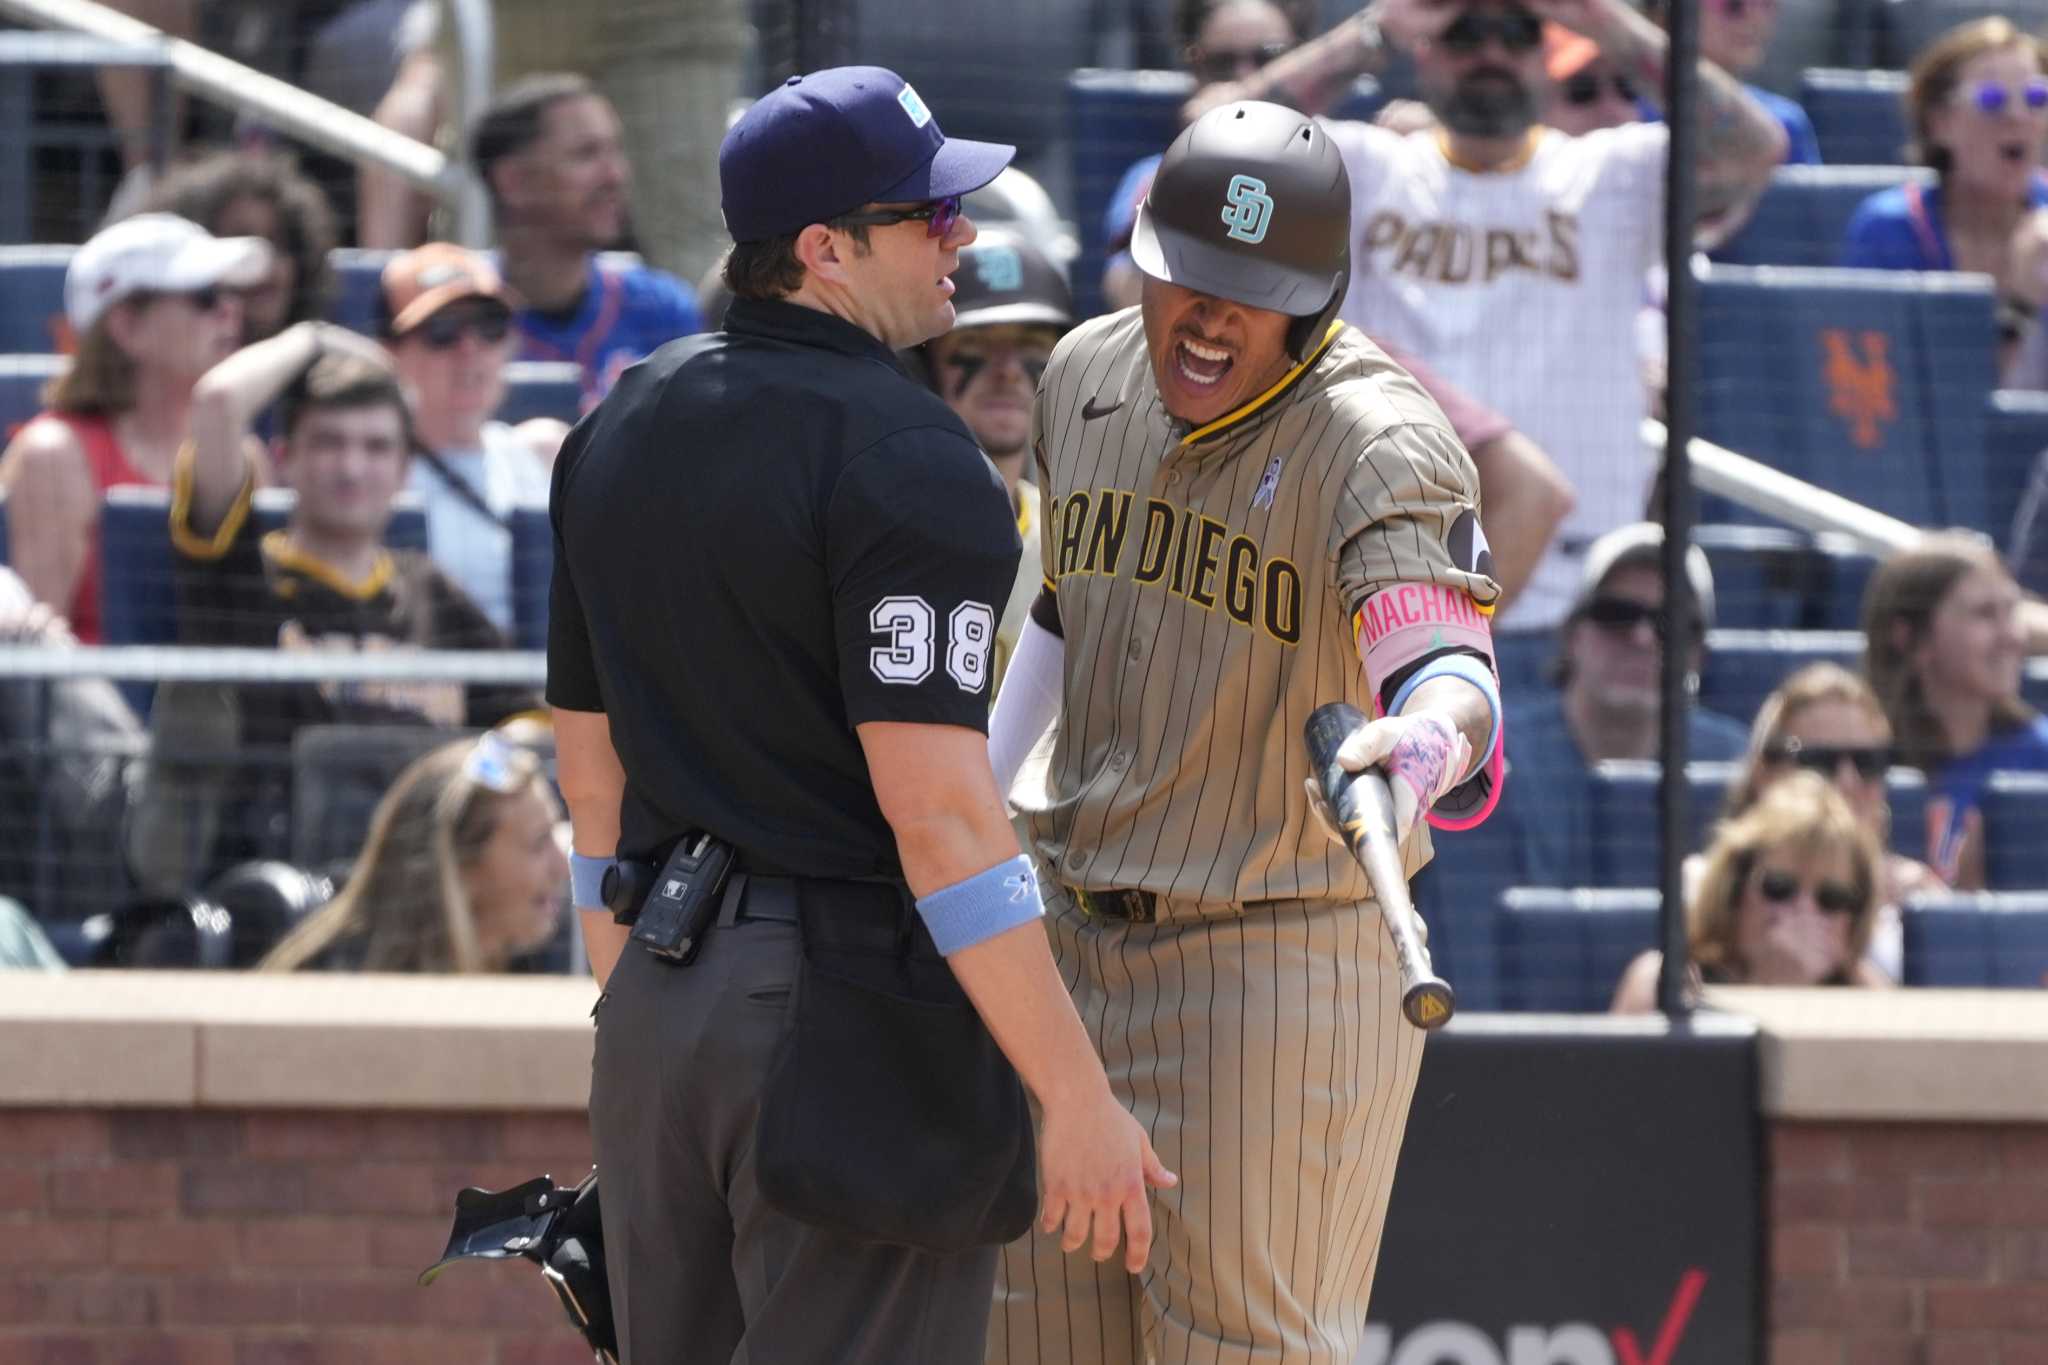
(1511,258)
(1977,110)
(1788,897)
(446,318)
(1943,652)
(1587,92)
(462,871)
(152,302)
(1825,719)
(1222,41)
(1607,701)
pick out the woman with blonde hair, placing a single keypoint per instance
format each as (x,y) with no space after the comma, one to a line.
(461,871)
(1943,650)
(1826,720)
(154,303)
(1788,897)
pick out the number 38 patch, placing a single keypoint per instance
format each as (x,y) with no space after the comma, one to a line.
(912,630)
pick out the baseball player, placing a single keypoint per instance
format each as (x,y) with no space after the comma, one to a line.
(1250,511)
(1010,308)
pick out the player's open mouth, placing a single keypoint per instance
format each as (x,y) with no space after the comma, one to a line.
(1202,367)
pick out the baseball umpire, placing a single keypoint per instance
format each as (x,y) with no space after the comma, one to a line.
(1250,511)
(778,563)
(1011,306)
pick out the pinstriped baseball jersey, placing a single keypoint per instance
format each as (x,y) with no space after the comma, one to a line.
(1206,582)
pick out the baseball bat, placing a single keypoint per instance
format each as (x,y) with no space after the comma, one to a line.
(1365,815)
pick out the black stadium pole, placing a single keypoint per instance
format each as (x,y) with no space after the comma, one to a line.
(1681,612)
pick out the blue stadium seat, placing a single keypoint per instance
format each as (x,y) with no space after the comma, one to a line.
(2015,435)
(542,388)
(533,564)
(1868,383)
(1905,792)
(1839,605)
(138,603)
(32,298)
(1858,116)
(1115,118)
(1978,939)
(1458,896)
(1744,666)
(22,378)
(1802,216)
(1563,949)
(1764,576)
(2015,854)
(358,277)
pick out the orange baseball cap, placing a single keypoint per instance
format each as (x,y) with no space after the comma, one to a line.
(1566,53)
(420,283)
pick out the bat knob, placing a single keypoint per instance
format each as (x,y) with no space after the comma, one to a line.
(1429,1004)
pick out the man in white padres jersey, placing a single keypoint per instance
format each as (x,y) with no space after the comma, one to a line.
(1250,511)
(1010,308)
(1512,257)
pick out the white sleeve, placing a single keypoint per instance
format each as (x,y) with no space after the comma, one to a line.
(1028,703)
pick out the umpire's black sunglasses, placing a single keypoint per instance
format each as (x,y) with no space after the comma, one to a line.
(939,216)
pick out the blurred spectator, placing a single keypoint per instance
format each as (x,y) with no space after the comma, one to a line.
(67,750)
(447,320)
(1010,308)
(324,582)
(549,149)
(1825,719)
(23,946)
(1977,111)
(1587,91)
(256,194)
(125,91)
(1608,702)
(152,303)
(1512,259)
(1788,898)
(1735,35)
(462,871)
(1943,652)
(1221,41)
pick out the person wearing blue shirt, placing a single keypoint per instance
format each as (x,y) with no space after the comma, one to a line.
(1735,35)
(1945,652)
(1606,706)
(549,148)
(1977,108)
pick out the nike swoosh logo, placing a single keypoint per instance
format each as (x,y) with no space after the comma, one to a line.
(1089,412)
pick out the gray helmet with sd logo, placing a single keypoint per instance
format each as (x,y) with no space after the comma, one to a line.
(1251,203)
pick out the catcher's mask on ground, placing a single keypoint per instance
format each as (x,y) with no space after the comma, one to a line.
(558,1228)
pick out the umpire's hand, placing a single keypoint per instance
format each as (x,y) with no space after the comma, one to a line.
(1095,1163)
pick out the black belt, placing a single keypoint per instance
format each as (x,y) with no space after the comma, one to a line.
(748,896)
(861,916)
(1125,906)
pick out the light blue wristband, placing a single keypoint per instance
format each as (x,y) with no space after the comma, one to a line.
(1472,671)
(986,904)
(586,880)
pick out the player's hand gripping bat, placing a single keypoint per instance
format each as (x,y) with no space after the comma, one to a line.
(1364,808)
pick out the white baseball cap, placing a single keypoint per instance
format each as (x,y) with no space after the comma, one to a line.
(1642,542)
(156,252)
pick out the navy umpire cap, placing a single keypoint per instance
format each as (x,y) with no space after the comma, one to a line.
(1251,203)
(821,145)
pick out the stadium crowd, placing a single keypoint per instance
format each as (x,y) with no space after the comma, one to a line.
(290,418)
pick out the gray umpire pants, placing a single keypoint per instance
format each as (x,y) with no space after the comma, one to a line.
(702,1271)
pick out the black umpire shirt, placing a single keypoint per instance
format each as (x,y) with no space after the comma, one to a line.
(764,537)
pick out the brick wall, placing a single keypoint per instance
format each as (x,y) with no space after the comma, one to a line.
(195,1237)
(1909,1244)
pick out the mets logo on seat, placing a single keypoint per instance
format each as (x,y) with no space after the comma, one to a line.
(1250,210)
(1859,385)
